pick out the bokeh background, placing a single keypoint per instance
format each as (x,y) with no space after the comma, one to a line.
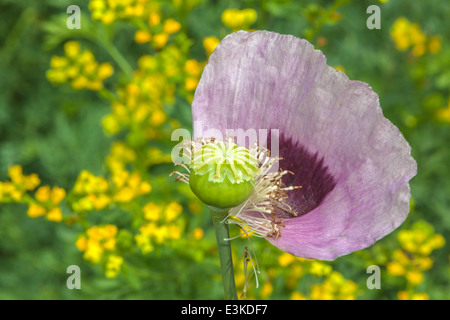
(85,122)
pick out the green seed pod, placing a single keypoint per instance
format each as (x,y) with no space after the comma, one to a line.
(223,175)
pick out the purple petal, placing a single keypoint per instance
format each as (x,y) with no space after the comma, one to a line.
(352,160)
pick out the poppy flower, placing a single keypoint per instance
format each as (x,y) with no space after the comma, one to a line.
(343,173)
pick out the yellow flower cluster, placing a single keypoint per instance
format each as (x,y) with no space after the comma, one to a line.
(156,32)
(198,233)
(92,192)
(96,193)
(47,203)
(404,295)
(127,186)
(236,19)
(108,11)
(319,269)
(140,103)
(298,267)
(113,265)
(193,70)
(335,287)
(120,156)
(160,225)
(15,189)
(413,258)
(96,241)
(79,68)
(409,35)
(47,199)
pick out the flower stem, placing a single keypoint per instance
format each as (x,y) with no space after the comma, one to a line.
(226,260)
(118,57)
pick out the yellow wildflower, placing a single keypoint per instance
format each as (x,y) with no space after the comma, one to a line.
(435,44)
(191,83)
(285,259)
(98,240)
(161,233)
(172,211)
(297,296)
(395,268)
(419,49)
(171,26)
(403,295)
(16,174)
(154,19)
(93,252)
(415,277)
(56,76)
(79,68)
(319,269)
(399,33)
(105,70)
(148,229)
(174,232)
(72,49)
(152,211)
(236,19)
(198,233)
(158,118)
(193,67)
(55,215)
(58,62)
(142,36)
(31,181)
(113,266)
(160,40)
(88,183)
(210,43)
(266,290)
(43,194)
(409,35)
(444,113)
(335,287)
(110,124)
(79,83)
(81,243)
(101,202)
(35,211)
(57,194)
(143,242)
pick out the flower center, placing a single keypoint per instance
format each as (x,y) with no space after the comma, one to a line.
(242,182)
(222,174)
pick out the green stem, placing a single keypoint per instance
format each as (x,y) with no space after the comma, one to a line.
(226,260)
(120,60)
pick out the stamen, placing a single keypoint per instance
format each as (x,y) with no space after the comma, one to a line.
(259,212)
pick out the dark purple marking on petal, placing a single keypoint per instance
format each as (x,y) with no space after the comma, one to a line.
(310,173)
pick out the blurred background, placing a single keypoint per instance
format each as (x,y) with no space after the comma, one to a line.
(85,122)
